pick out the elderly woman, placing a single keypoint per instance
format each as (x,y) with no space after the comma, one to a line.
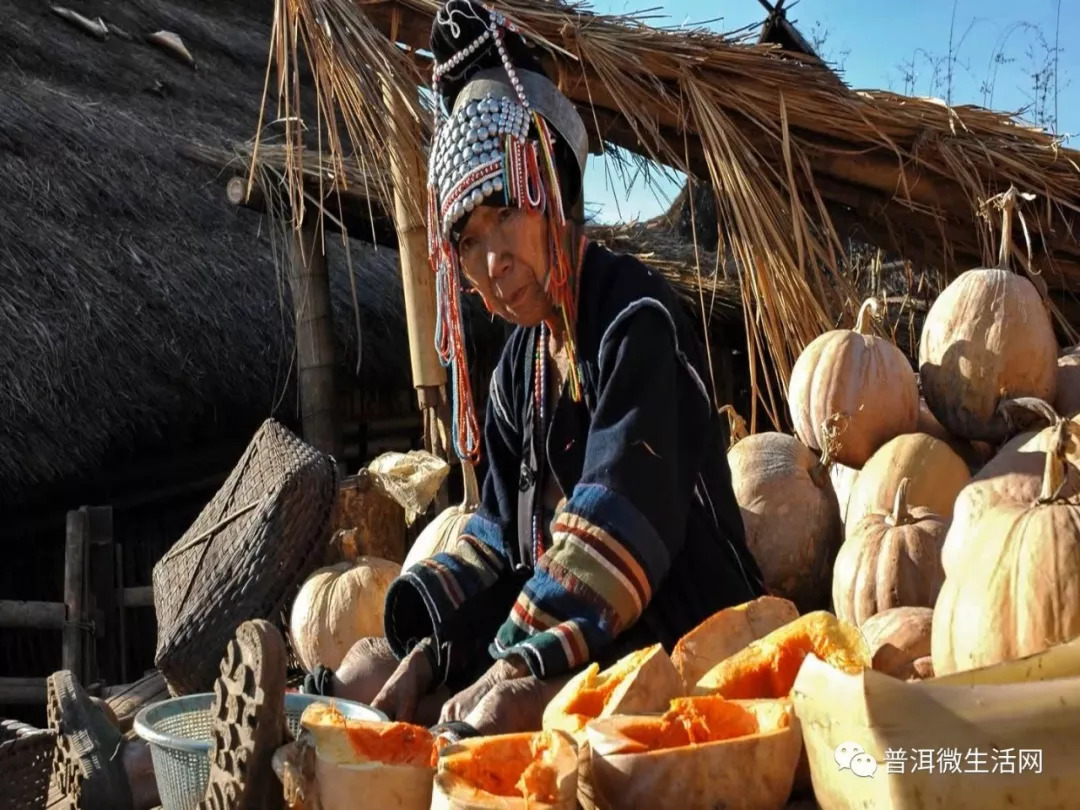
(608,520)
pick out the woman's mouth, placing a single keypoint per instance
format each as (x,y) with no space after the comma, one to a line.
(517,297)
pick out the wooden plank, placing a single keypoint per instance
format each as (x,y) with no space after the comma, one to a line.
(32,615)
(138,596)
(78,531)
(22,690)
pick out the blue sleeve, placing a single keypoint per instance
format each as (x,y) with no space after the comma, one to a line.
(449,596)
(614,540)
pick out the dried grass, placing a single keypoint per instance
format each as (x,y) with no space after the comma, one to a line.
(793,154)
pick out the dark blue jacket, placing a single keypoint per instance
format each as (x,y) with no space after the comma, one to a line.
(649,542)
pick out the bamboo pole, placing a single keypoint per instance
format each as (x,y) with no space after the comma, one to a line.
(310,283)
(407,172)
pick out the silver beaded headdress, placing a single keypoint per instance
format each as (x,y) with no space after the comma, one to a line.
(482,152)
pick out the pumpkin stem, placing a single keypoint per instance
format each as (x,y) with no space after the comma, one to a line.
(900,515)
(1013,409)
(472,491)
(1056,468)
(870,309)
(736,425)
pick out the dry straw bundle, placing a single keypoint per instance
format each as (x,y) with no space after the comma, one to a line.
(795,156)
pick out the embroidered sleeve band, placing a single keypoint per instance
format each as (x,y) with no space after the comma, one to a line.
(599,570)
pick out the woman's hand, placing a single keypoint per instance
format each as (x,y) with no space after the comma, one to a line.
(502,671)
(514,706)
(402,691)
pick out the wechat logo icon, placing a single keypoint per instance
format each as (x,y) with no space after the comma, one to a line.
(852,756)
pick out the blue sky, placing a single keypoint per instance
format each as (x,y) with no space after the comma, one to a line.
(879,44)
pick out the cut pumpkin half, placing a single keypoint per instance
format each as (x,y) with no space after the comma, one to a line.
(726,632)
(767,667)
(704,752)
(509,771)
(391,765)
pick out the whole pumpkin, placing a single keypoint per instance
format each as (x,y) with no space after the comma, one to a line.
(790,514)
(934,472)
(1014,476)
(1016,593)
(861,376)
(337,606)
(1067,401)
(889,560)
(988,332)
(899,641)
(441,533)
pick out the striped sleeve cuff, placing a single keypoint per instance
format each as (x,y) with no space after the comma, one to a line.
(425,597)
(592,584)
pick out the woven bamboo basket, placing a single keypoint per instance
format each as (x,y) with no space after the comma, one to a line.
(26,755)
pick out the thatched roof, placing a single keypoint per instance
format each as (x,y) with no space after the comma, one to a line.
(795,155)
(142,311)
(139,310)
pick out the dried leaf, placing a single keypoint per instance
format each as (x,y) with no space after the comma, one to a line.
(170,42)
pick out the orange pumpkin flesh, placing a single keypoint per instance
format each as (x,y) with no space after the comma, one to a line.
(527,766)
(388,764)
(767,668)
(699,720)
(594,695)
(703,752)
(391,743)
(642,681)
(726,632)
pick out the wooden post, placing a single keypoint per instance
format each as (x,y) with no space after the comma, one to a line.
(407,170)
(101,580)
(310,284)
(78,533)
(121,618)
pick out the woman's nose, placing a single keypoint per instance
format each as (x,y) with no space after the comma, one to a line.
(498,262)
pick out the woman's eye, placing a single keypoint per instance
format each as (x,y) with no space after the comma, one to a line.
(505,214)
(466,244)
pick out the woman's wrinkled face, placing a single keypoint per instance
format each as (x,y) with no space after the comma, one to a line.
(504,256)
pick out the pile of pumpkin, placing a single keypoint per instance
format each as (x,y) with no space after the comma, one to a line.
(936,514)
(935,511)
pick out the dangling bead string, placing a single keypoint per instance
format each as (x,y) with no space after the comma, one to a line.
(450,340)
(539,422)
(563,274)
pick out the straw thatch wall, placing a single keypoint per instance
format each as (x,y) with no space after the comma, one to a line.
(140,311)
